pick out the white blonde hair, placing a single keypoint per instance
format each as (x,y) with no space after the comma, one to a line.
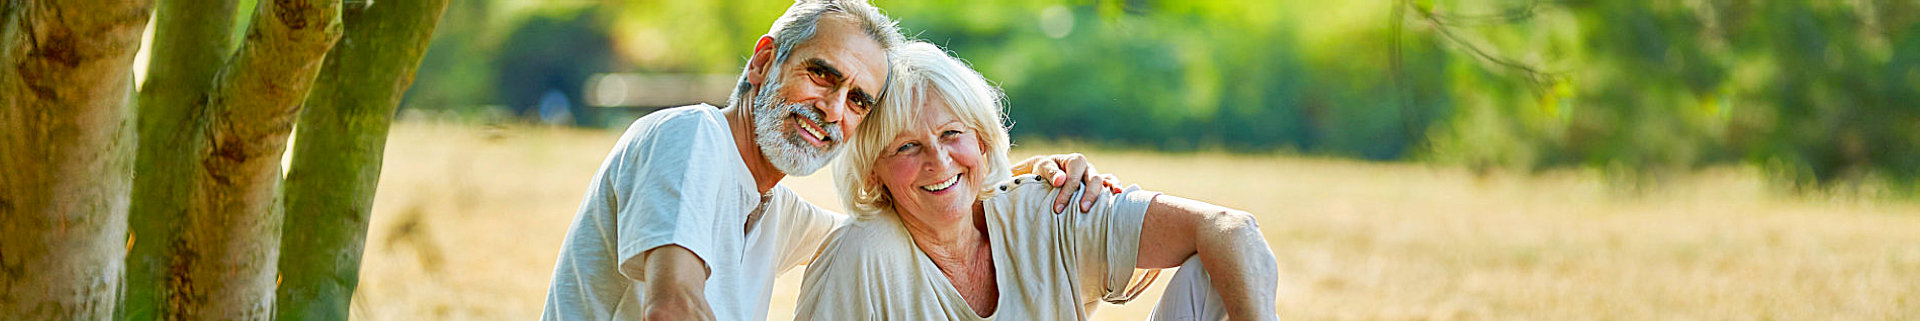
(923,72)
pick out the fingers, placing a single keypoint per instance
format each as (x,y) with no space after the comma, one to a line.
(1050,168)
(1112,182)
(1090,180)
(1071,182)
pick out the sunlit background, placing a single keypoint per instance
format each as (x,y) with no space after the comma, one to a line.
(1409,160)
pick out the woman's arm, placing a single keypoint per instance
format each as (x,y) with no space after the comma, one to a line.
(1242,267)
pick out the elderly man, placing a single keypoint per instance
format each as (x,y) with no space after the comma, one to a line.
(685,219)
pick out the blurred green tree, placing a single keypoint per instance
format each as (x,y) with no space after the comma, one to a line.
(1816,91)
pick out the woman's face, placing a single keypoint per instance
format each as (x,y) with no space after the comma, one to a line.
(929,167)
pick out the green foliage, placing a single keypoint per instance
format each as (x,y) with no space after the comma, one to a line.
(553,52)
(1195,75)
(1818,91)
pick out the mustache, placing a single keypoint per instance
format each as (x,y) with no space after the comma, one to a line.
(807,112)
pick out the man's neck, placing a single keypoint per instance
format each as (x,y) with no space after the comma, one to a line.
(740,121)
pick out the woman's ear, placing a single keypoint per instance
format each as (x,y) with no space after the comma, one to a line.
(761,61)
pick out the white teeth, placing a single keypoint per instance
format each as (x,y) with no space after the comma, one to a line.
(942,185)
(816,132)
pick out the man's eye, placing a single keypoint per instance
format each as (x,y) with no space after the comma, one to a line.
(819,76)
(863,104)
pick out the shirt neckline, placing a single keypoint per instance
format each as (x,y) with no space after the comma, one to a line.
(945,286)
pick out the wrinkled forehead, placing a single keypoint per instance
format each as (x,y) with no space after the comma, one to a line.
(839,41)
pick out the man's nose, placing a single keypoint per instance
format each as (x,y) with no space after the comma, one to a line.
(833,106)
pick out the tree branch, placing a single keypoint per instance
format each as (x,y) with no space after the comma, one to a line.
(66,143)
(336,165)
(190,38)
(233,223)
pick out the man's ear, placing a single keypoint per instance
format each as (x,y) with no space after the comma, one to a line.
(761,61)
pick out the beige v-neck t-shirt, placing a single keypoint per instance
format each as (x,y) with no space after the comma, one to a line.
(1048,266)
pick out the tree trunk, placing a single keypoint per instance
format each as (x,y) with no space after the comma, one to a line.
(66,142)
(232,228)
(190,38)
(336,165)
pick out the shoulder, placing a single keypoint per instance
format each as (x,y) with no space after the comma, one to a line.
(1020,188)
(865,269)
(1029,198)
(1021,193)
(796,212)
(864,247)
(870,240)
(686,131)
(692,119)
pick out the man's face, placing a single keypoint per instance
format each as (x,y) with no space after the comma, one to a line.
(812,101)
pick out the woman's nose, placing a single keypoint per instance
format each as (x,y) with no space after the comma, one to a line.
(939,159)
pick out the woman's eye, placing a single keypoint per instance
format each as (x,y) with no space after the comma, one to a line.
(908,147)
(950,133)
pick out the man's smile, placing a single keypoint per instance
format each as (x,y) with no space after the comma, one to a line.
(811,131)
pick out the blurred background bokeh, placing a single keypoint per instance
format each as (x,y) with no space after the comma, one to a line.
(1815,91)
(1471,159)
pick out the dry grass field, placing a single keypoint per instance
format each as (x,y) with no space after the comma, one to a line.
(468,222)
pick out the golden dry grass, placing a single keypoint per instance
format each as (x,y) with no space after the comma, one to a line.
(468,222)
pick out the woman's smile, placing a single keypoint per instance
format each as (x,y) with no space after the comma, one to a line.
(937,188)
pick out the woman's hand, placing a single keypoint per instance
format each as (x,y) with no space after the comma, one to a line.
(1058,168)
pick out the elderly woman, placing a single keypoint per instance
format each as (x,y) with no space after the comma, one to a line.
(941,232)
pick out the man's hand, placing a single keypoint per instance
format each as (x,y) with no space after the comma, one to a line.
(1058,168)
(676,283)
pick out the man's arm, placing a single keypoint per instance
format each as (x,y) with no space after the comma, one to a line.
(676,282)
(671,204)
(1058,168)
(1242,267)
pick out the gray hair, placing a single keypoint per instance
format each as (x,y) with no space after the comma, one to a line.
(797,25)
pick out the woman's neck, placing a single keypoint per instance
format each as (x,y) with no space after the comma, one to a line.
(952,240)
(961,250)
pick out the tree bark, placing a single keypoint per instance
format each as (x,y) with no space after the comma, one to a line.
(190,39)
(66,142)
(336,165)
(232,228)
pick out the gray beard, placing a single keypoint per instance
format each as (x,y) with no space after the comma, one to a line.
(782,145)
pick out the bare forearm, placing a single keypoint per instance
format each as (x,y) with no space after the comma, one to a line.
(1241,266)
(675,285)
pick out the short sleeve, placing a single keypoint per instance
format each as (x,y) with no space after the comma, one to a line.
(1127,211)
(1102,245)
(671,187)
(803,227)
